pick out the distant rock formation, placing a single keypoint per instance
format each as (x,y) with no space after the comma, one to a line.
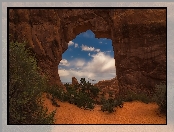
(108,88)
(74,81)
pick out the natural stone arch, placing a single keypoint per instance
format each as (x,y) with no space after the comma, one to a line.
(138,38)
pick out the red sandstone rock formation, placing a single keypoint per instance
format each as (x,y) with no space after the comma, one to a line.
(138,39)
(74,81)
(108,87)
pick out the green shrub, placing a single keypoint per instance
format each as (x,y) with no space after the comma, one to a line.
(132,96)
(118,101)
(25,88)
(94,91)
(160,97)
(143,98)
(78,94)
(81,94)
(108,105)
(57,92)
(82,100)
(88,88)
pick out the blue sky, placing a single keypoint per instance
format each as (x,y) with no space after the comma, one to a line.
(88,57)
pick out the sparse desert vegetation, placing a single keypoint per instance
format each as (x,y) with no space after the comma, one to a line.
(27,87)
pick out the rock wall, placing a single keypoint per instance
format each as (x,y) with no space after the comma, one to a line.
(138,39)
(140,49)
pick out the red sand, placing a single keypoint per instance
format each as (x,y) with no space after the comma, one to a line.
(132,113)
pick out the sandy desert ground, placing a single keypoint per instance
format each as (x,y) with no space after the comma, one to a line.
(132,113)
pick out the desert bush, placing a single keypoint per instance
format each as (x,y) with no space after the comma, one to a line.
(88,88)
(57,93)
(26,87)
(84,86)
(75,94)
(132,96)
(82,100)
(81,94)
(118,101)
(94,91)
(143,98)
(108,105)
(160,97)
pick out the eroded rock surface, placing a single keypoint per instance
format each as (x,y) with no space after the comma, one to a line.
(138,39)
(108,88)
(74,81)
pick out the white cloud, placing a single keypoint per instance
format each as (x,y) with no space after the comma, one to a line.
(72,63)
(98,50)
(71,56)
(76,45)
(100,42)
(64,62)
(80,63)
(105,62)
(89,54)
(86,48)
(70,43)
(63,72)
(101,67)
(77,62)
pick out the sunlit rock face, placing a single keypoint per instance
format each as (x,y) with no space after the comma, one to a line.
(138,39)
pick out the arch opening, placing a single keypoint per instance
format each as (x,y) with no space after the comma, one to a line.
(88,57)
